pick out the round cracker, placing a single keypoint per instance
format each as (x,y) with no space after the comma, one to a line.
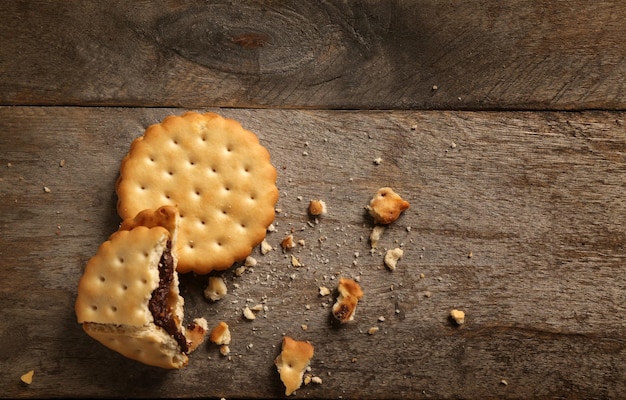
(219,176)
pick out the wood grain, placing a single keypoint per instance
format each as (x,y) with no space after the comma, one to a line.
(536,199)
(566,55)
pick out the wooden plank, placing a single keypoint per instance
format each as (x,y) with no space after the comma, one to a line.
(494,54)
(536,199)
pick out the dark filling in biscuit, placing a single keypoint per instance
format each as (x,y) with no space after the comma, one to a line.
(158,305)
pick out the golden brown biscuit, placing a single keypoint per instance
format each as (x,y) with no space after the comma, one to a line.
(292,362)
(218,175)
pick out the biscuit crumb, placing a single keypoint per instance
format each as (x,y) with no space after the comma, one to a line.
(248,314)
(349,295)
(372,330)
(324,291)
(316,380)
(220,335)
(196,333)
(288,243)
(265,247)
(216,289)
(378,160)
(292,362)
(392,257)
(47,189)
(295,262)
(27,378)
(377,233)
(458,316)
(317,207)
(224,350)
(503,382)
(386,206)
(250,262)
(62,163)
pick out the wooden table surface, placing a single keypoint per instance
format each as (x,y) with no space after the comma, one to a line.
(503,123)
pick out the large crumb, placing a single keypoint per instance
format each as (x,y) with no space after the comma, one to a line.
(292,362)
(377,233)
(386,206)
(216,289)
(266,247)
(392,257)
(27,378)
(317,207)
(220,335)
(349,294)
(458,316)
(248,314)
(288,243)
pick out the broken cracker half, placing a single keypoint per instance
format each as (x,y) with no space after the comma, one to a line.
(128,299)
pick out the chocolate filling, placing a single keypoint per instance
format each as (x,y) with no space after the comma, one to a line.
(158,305)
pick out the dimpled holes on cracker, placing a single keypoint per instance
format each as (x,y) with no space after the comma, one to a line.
(219,176)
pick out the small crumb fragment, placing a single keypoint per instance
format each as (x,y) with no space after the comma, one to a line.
(317,380)
(248,314)
(265,247)
(349,295)
(304,327)
(324,291)
(288,243)
(47,189)
(295,262)
(220,335)
(458,316)
(216,289)
(27,378)
(378,160)
(317,207)
(250,262)
(470,255)
(372,330)
(386,206)
(307,379)
(381,319)
(240,270)
(224,350)
(435,87)
(392,257)
(271,228)
(196,333)
(503,382)
(377,233)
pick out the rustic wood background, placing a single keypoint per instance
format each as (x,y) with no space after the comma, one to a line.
(503,123)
